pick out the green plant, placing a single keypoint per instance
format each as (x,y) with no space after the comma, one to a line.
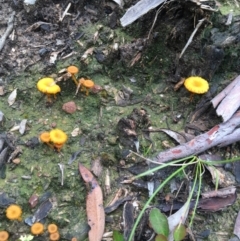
(199,168)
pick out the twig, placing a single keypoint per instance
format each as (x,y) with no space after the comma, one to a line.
(8,30)
(61,166)
(200,22)
(65,12)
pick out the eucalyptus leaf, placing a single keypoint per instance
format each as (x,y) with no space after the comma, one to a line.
(179,233)
(159,222)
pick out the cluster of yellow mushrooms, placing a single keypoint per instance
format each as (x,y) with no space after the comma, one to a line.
(56,138)
(49,87)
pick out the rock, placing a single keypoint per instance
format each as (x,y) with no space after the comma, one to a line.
(33,201)
(69,107)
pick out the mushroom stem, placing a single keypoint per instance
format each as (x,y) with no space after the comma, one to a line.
(58,147)
(87,91)
(74,79)
(50,145)
(49,99)
(191,97)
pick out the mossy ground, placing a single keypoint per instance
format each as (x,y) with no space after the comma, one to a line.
(96,115)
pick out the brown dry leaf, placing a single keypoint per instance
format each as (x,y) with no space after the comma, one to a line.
(94,205)
(220,176)
(215,204)
(2,91)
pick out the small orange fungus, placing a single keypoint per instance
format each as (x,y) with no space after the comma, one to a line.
(37,228)
(14,212)
(58,137)
(52,228)
(86,84)
(54,236)
(4,235)
(74,239)
(48,87)
(73,70)
(45,138)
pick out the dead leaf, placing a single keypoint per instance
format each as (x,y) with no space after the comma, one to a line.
(176,218)
(220,176)
(215,204)
(76,132)
(96,166)
(12,97)
(53,57)
(86,53)
(22,126)
(2,91)
(94,205)
(175,135)
(223,192)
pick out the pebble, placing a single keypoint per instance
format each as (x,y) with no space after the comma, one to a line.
(16,160)
(69,107)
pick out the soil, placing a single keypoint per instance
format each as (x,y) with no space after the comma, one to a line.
(137,75)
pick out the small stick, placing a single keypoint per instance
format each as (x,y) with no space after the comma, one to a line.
(65,12)
(200,22)
(8,30)
(61,166)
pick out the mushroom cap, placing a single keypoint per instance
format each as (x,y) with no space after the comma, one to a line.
(14,212)
(4,235)
(45,137)
(58,137)
(37,228)
(54,236)
(72,69)
(88,83)
(52,228)
(48,86)
(196,85)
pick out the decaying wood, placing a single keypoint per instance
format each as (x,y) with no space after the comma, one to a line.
(218,135)
(223,192)
(94,205)
(8,30)
(229,98)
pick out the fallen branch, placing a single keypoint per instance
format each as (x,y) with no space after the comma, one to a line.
(229,98)
(8,30)
(222,134)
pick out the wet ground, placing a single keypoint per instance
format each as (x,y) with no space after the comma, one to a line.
(136,70)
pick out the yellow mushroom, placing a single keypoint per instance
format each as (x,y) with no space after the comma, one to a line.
(58,138)
(196,85)
(48,87)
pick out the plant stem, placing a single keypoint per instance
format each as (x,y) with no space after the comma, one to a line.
(155,193)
